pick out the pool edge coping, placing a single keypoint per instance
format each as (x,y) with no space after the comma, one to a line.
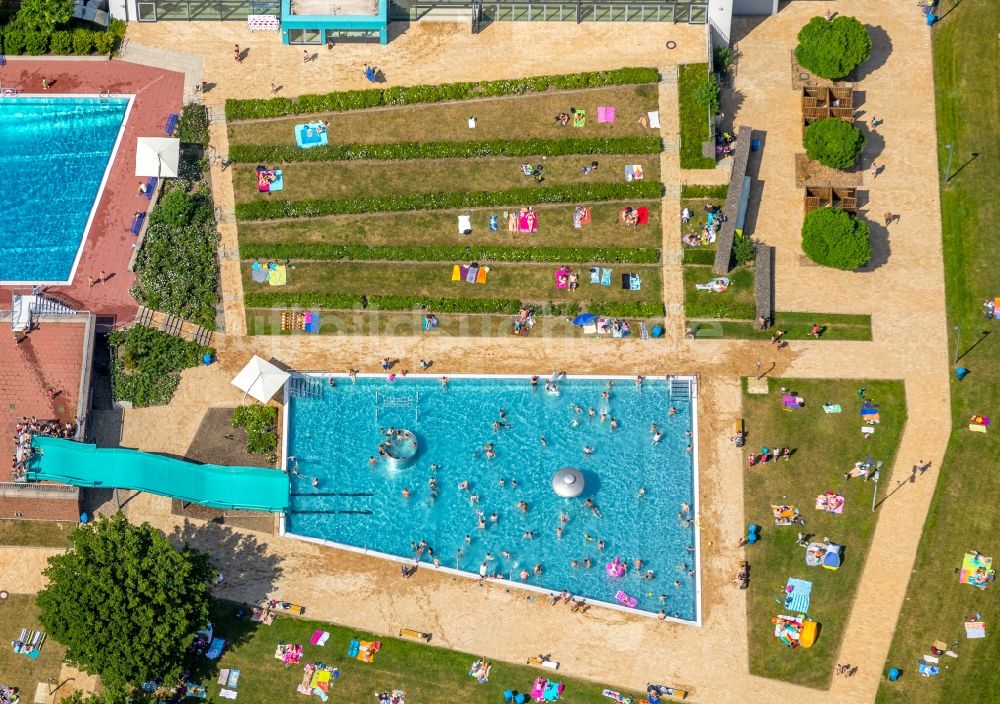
(695,490)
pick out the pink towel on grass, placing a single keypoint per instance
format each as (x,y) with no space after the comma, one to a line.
(605,114)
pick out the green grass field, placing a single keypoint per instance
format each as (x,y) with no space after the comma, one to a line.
(694,118)
(439,227)
(735,302)
(530,282)
(963,513)
(338,179)
(796,326)
(514,117)
(47,534)
(426,673)
(16,612)
(825,447)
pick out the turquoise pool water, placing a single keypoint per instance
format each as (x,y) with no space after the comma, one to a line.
(332,436)
(53,155)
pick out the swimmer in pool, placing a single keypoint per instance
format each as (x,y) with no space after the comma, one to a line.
(406,493)
(657,436)
(649,575)
(496,425)
(591,412)
(685,508)
(522,506)
(559,531)
(605,395)
(505,553)
(576,408)
(614,423)
(637,563)
(544,442)
(490,452)
(494,517)
(575,423)
(463,485)
(671,411)
(588,450)
(468,538)
(653,428)
(513,483)
(528,535)
(371,461)
(474,499)
(503,414)
(501,483)
(524,574)
(600,544)
(537,569)
(563,518)
(642,492)
(638,381)
(677,584)
(688,449)
(588,563)
(604,416)
(574,563)
(534,382)
(315,481)
(589,503)
(435,467)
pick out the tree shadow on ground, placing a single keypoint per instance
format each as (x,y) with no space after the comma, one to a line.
(881,250)
(874,144)
(881,49)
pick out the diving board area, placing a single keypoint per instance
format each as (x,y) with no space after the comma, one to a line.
(216,486)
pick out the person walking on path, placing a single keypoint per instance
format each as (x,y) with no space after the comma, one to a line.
(305,56)
(875,169)
(236,53)
(876,122)
(45,84)
(889,217)
(102,277)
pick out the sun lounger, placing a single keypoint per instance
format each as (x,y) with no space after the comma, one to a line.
(538,687)
(150,187)
(464,225)
(171,124)
(605,277)
(606,114)
(137,219)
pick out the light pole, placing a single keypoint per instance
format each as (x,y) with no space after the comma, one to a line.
(958,341)
(947,169)
(875,490)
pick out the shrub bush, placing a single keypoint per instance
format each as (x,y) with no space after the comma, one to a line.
(694,118)
(104,42)
(439,253)
(835,238)
(193,126)
(270,153)
(146,362)
(376,97)
(707,95)
(83,41)
(270,209)
(832,49)
(61,43)
(723,58)
(13,41)
(834,143)
(717,192)
(36,43)
(744,248)
(259,422)
(699,255)
(176,269)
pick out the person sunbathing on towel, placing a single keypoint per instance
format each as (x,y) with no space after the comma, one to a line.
(563,119)
(858,470)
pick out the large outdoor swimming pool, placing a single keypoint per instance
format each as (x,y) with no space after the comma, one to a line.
(54,153)
(637,485)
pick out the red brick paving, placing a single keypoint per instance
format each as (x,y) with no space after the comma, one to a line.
(40,509)
(109,243)
(50,357)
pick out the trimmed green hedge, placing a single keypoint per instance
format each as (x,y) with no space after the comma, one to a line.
(699,256)
(715,309)
(271,209)
(719,192)
(438,253)
(627,309)
(271,153)
(410,95)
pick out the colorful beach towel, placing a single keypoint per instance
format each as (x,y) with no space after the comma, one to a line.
(580,118)
(605,277)
(595,275)
(830,502)
(977,570)
(797,593)
(309,135)
(633,172)
(278,276)
(605,114)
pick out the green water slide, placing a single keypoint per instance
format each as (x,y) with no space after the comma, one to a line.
(79,464)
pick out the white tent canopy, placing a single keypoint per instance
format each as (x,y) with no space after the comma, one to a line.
(260,379)
(157,156)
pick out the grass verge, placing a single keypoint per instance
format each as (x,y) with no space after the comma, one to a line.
(796,326)
(735,302)
(826,446)
(44,534)
(512,117)
(694,118)
(963,513)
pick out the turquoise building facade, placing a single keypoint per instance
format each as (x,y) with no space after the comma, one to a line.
(346,22)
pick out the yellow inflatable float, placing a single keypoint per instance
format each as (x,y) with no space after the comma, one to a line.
(808,634)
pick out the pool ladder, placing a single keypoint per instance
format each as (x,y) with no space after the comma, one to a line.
(305,387)
(679,387)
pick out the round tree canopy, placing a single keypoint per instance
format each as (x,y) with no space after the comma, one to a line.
(834,143)
(832,237)
(832,48)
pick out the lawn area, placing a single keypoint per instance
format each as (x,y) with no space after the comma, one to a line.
(825,447)
(514,281)
(694,118)
(334,180)
(16,612)
(513,117)
(963,513)
(796,326)
(734,302)
(438,227)
(426,673)
(261,321)
(46,534)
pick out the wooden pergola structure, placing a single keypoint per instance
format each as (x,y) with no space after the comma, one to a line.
(820,103)
(828,197)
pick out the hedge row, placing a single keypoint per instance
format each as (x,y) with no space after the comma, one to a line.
(627,309)
(271,209)
(699,256)
(410,95)
(278,153)
(440,253)
(719,192)
(79,42)
(714,309)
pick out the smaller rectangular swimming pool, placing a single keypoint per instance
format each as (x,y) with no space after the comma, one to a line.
(463,476)
(55,157)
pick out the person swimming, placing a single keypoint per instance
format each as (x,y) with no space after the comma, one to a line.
(406,493)
(685,508)
(642,492)
(588,450)
(315,481)
(614,423)
(494,517)
(522,506)
(657,436)
(591,412)
(588,563)
(544,441)
(559,531)
(589,503)
(463,485)
(528,535)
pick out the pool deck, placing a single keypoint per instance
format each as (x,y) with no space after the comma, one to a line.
(108,247)
(909,343)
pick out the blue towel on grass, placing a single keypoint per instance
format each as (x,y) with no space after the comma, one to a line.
(605,277)
(797,599)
